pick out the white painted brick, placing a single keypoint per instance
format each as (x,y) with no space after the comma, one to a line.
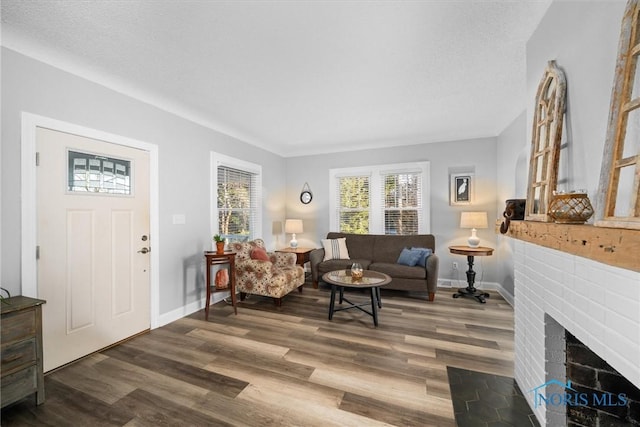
(599,304)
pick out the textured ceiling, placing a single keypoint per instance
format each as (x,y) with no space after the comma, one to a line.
(298,77)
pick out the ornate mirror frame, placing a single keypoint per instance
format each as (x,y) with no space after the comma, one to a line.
(546,138)
(618,198)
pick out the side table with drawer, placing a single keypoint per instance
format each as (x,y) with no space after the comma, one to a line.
(21,350)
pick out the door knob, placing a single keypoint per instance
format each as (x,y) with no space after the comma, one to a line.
(144,250)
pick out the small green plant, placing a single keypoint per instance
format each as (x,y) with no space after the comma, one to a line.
(218,238)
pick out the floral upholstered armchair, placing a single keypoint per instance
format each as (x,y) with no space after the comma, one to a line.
(268,274)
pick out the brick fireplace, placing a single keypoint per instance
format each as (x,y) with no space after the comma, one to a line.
(555,293)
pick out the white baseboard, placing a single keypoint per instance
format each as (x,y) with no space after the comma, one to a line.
(188,309)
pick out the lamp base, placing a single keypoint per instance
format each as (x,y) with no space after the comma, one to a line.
(474,240)
(293,243)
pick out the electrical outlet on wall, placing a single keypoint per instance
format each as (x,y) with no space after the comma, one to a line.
(455,265)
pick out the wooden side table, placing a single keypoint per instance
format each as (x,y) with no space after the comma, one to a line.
(470,290)
(214,258)
(302,254)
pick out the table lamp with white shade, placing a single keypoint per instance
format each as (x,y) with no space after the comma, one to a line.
(293,226)
(473,220)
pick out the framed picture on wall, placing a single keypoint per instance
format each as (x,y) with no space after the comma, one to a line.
(461,189)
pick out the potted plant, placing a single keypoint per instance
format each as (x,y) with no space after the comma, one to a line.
(219,243)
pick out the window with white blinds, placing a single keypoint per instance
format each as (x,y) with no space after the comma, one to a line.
(402,208)
(384,199)
(237,194)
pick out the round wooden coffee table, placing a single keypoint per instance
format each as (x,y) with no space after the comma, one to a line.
(371,280)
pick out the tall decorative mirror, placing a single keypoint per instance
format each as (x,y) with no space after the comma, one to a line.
(546,138)
(618,198)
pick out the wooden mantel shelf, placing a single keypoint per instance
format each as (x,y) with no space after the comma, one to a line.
(619,247)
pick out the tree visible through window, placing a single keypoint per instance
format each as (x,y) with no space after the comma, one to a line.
(354,204)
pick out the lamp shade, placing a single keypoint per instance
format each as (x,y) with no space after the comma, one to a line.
(293,226)
(473,220)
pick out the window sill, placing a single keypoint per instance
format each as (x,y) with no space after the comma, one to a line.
(618,247)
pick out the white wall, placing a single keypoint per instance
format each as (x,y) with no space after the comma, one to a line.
(479,154)
(583,39)
(184,168)
(512,166)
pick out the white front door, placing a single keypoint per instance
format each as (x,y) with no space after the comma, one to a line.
(92,232)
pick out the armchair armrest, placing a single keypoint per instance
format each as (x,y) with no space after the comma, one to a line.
(283,259)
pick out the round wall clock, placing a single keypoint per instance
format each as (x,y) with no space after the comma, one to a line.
(306,195)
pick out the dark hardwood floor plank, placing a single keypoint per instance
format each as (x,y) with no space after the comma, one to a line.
(64,406)
(392,414)
(279,386)
(164,386)
(151,410)
(85,378)
(277,365)
(196,376)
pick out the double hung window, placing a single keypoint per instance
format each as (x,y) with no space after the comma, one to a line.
(236,199)
(383,199)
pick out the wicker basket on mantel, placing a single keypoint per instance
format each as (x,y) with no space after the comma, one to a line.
(570,208)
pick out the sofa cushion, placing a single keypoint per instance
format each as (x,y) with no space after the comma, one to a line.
(335,249)
(399,271)
(409,257)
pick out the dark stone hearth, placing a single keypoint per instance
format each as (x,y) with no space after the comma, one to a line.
(486,400)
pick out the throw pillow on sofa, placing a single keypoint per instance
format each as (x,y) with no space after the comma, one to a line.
(425,253)
(409,257)
(335,248)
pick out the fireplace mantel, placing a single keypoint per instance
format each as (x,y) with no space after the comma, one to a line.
(618,247)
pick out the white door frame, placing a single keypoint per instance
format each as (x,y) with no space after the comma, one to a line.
(29,268)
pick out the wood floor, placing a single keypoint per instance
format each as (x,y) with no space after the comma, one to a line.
(286,366)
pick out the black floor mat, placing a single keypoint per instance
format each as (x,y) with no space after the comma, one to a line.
(481,399)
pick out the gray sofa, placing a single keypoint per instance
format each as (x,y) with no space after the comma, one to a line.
(380,253)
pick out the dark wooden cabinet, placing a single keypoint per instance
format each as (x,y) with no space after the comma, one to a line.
(21,350)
